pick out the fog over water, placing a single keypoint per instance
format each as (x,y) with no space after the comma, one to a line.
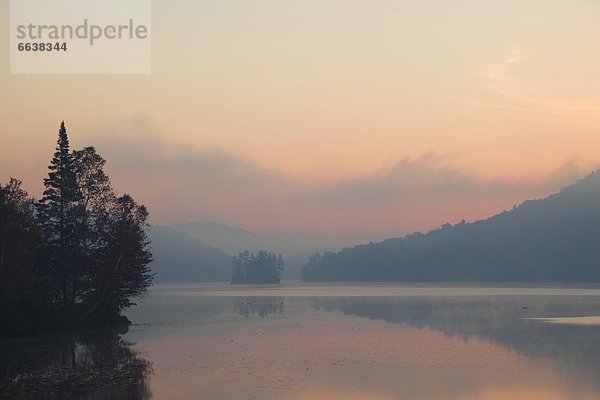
(329,342)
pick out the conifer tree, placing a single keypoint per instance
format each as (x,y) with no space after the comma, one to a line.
(58,212)
(81,259)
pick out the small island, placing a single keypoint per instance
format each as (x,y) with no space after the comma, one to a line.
(262,267)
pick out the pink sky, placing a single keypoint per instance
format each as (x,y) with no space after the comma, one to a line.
(340,120)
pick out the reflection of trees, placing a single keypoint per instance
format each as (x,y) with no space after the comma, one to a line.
(88,365)
(503,320)
(258,306)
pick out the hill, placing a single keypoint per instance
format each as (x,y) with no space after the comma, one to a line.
(181,258)
(232,240)
(556,239)
(229,239)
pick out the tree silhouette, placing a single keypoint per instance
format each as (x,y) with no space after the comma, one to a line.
(262,267)
(81,258)
(58,215)
(20,237)
(121,270)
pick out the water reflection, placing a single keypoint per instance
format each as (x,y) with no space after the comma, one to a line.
(86,365)
(258,306)
(513,322)
(407,343)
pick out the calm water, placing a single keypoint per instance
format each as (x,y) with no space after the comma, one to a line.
(325,342)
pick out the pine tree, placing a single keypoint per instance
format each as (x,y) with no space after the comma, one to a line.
(81,259)
(58,215)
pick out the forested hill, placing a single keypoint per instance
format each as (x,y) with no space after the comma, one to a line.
(181,258)
(550,240)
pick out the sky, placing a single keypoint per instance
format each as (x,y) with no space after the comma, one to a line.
(344,121)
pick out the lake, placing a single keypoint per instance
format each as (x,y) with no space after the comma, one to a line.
(317,341)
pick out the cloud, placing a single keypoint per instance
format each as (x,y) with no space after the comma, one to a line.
(428,177)
(182,183)
(520,91)
(420,194)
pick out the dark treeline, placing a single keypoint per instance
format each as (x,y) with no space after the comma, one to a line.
(262,267)
(550,240)
(78,256)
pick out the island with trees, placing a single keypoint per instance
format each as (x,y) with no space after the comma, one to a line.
(262,267)
(76,257)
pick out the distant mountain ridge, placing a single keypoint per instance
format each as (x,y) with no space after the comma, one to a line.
(181,258)
(549,240)
(229,239)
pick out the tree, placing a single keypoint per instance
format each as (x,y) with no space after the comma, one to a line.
(262,267)
(96,197)
(121,272)
(80,257)
(59,211)
(240,264)
(19,241)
